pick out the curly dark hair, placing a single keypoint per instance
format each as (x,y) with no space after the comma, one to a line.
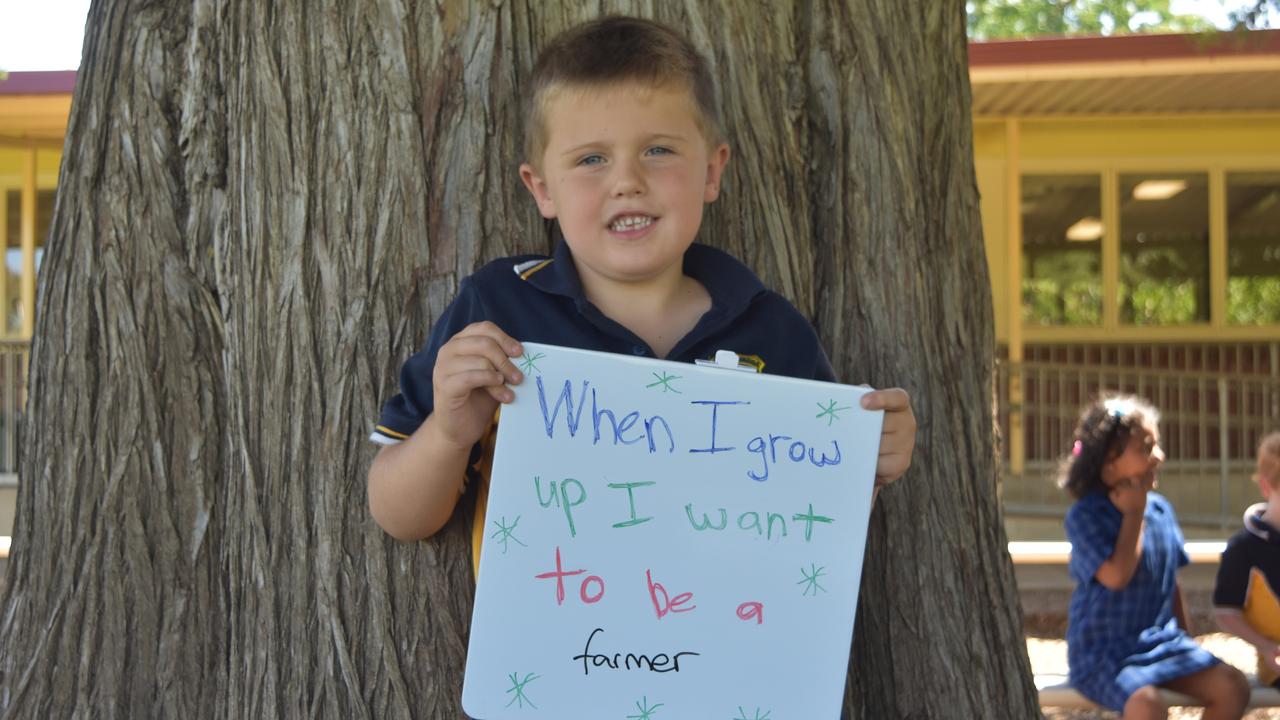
(1101,435)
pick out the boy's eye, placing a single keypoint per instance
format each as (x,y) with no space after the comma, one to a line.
(591,160)
(658,150)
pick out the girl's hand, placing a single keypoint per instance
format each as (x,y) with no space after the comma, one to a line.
(1130,496)
(470,379)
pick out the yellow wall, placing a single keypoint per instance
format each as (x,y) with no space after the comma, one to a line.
(1115,144)
(12,167)
(34,117)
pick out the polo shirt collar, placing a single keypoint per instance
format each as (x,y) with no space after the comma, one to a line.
(731,284)
(1254,523)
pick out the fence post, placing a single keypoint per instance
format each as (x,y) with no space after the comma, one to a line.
(1224,470)
(1013,305)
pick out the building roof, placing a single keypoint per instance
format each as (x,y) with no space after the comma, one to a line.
(1118,75)
(56,82)
(34,107)
(1129,74)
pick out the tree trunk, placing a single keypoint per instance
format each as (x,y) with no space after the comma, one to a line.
(263,206)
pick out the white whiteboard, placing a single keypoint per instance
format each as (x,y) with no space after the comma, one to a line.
(614,463)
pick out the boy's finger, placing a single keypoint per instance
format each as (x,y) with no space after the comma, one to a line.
(486,347)
(889,400)
(509,344)
(891,467)
(500,393)
(459,362)
(460,384)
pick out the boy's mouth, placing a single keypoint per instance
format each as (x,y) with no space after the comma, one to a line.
(631,223)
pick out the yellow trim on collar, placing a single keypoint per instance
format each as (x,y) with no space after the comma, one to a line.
(525,275)
(388,431)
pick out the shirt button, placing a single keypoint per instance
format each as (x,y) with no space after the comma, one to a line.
(637,350)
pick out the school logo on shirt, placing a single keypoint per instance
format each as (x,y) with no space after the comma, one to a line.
(755,362)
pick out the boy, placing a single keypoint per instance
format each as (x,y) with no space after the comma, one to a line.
(624,148)
(1245,596)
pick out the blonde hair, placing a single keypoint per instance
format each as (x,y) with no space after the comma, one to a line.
(1269,458)
(615,50)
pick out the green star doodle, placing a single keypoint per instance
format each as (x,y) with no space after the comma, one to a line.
(665,381)
(742,715)
(646,712)
(517,687)
(830,410)
(529,363)
(810,580)
(506,533)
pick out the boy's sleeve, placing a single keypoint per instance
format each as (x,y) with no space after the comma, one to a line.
(1093,540)
(823,371)
(1231,588)
(404,412)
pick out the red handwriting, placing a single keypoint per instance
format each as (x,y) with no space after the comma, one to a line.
(591,591)
(666,604)
(749,610)
(582,592)
(560,574)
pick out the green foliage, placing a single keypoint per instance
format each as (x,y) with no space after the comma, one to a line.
(1055,301)
(1155,302)
(1163,286)
(1009,19)
(1062,287)
(1256,15)
(1253,300)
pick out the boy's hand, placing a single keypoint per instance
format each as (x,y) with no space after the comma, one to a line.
(469,380)
(1268,651)
(897,433)
(1130,496)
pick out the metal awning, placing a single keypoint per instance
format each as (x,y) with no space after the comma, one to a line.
(1133,74)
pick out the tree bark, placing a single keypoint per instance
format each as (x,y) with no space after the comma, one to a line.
(261,209)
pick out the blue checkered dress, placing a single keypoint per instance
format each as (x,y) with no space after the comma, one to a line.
(1118,642)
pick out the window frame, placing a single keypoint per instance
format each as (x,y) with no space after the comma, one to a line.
(1110,170)
(30,183)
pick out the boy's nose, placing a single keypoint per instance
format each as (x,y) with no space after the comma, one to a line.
(1157,453)
(628,181)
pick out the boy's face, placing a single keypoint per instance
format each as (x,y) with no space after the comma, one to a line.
(626,171)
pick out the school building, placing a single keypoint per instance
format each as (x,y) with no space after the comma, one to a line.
(33,123)
(1131,212)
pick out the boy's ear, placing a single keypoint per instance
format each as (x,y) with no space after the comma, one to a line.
(538,189)
(719,157)
(1268,468)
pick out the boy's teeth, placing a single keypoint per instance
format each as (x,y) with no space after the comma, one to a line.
(632,222)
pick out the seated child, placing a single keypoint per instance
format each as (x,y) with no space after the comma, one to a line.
(1245,597)
(1127,632)
(624,148)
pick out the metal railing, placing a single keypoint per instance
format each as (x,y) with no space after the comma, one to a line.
(1210,425)
(14,356)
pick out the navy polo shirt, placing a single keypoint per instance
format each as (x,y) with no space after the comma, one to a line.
(540,299)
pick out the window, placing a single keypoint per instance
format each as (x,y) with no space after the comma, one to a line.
(12,311)
(1061,249)
(12,315)
(1164,248)
(1253,248)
